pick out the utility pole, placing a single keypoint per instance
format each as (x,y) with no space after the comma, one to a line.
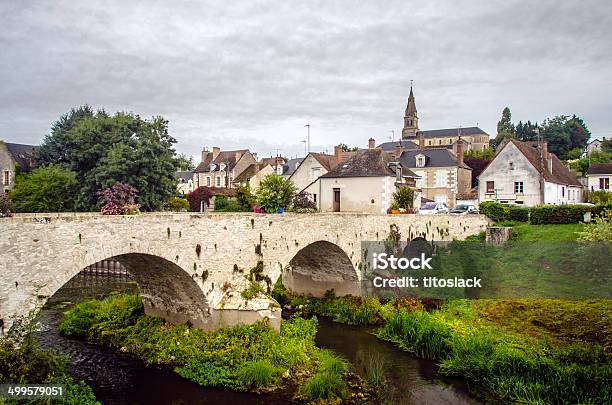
(308,126)
(541,148)
(305,152)
(392,135)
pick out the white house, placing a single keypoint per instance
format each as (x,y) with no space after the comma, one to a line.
(525,173)
(254,174)
(185,182)
(364,183)
(599,177)
(309,170)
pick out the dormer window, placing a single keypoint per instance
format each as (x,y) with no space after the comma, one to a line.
(222,166)
(212,167)
(420,160)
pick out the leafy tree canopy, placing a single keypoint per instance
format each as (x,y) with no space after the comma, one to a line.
(564,134)
(47,189)
(275,192)
(185,162)
(104,150)
(346,148)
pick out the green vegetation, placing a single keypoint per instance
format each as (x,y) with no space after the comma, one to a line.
(47,189)
(176,204)
(253,357)
(228,204)
(504,212)
(103,149)
(599,230)
(560,232)
(27,363)
(539,215)
(509,366)
(403,198)
(600,197)
(6,206)
(275,193)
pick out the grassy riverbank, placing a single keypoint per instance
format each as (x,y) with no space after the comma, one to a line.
(245,358)
(28,364)
(535,351)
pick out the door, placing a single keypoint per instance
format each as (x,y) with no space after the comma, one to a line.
(336,200)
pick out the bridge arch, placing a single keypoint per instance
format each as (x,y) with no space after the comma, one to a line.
(319,267)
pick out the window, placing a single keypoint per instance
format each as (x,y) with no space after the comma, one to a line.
(218,183)
(518,187)
(604,183)
(314,197)
(7,177)
(490,186)
(208,181)
(562,191)
(512,167)
(420,160)
(441,178)
(315,173)
(517,202)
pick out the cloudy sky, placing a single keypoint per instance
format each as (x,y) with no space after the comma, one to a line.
(251,74)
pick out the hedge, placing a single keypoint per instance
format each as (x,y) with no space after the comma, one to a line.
(504,212)
(541,214)
(563,214)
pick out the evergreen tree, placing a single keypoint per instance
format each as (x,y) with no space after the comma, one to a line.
(505,128)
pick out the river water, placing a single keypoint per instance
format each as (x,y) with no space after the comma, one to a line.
(117,378)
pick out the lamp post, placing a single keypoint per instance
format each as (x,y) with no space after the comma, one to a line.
(308,126)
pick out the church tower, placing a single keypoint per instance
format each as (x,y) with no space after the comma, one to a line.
(411,120)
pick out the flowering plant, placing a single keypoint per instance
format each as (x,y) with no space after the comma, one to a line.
(120,199)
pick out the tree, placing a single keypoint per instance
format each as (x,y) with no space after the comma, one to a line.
(505,128)
(303,202)
(245,198)
(563,134)
(404,197)
(47,189)
(606,145)
(274,193)
(120,199)
(346,148)
(103,150)
(199,197)
(6,206)
(526,131)
(185,162)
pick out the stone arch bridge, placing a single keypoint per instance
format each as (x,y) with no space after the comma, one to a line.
(193,267)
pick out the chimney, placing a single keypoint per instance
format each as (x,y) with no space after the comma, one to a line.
(460,152)
(545,149)
(372,143)
(338,152)
(421,141)
(398,150)
(204,154)
(216,151)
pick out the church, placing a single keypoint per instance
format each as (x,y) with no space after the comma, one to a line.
(412,136)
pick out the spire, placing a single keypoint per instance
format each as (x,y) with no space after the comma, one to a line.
(411,108)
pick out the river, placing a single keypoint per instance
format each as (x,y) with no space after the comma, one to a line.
(117,378)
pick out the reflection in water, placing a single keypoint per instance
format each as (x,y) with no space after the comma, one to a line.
(120,379)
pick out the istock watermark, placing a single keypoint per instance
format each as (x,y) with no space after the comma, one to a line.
(474,269)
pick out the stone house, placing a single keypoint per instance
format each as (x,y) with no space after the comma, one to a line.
(254,174)
(184,182)
(593,146)
(442,176)
(525,173)
(313,166)
(291,166)
(14,157)
(220,168)
(277,163)
(364,183)
(599,177)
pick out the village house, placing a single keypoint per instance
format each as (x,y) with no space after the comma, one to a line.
(593,146)
(254,174)
(473,137)
(14,157)
(363,183)
(525,173)
(290,167)
(313,166)
(598,177)
(184,182)
(442,176)
(276,163)
(220,168)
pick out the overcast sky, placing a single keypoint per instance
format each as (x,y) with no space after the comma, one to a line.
(252,74)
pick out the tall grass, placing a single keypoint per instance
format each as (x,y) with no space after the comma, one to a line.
(256,374)
(328,382)
(375,370)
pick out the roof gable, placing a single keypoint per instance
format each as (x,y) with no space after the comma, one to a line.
(365,163)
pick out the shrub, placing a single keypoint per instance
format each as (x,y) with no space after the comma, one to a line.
(6,206)
(245,198)
(600,230)
(257,373)
(120,199)
(199,197)
(328,382)
(504,212)
(176,204)
(303,203)
(275,193)
(404,198)
(226,204)
(47,189)
(600,197)
(562,214)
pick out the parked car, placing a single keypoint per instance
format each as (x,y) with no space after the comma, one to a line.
(434,208)
(463,209)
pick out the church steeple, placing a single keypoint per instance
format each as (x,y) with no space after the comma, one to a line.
(411,119)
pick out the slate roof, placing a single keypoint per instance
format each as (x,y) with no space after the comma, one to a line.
(411,107)
(22,154)
(227,157)
(600,168)
(184,176)
(560,173)
(367,163)
(291,165)
(390,146)
(440,157)
(433,133)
